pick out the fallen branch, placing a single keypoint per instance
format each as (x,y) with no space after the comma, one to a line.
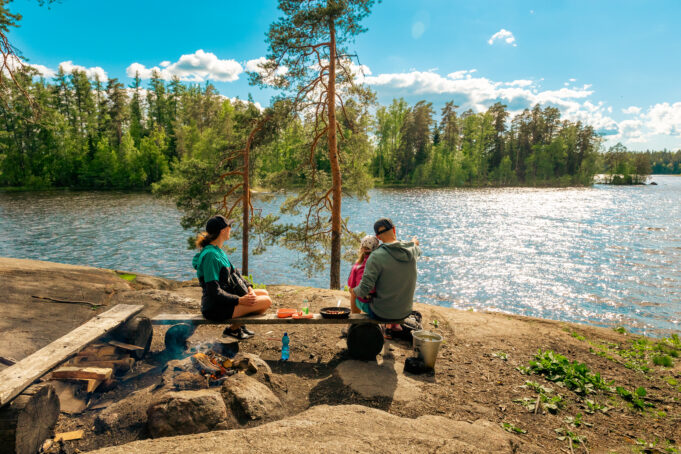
(55,300)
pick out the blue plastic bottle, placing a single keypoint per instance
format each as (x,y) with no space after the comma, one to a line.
(284,347)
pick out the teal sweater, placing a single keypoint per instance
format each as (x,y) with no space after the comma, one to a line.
(391,269)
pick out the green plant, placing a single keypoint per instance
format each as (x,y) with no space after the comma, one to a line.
(501,355)
(592,407)
(573,375)
(508,427)
(635,398)
(565,434)
(663,360)
(127,276)
(620,329)
(249,279)
(577,421)
(547,401)
(578,336)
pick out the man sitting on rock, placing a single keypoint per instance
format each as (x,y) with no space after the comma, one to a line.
(391,270)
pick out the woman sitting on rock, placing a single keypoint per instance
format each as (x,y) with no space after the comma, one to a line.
(226,294)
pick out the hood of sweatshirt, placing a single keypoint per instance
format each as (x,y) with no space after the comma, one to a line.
(196,260)
(402,251)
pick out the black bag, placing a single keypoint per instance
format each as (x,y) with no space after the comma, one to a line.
(235,283)
(411,323)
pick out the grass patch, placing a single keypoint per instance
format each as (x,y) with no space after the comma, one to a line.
(127,276)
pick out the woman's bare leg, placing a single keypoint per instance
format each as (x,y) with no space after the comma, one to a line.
(353,307)
(262,303)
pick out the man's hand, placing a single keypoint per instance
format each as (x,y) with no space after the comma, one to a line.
(248,300)
(415,241)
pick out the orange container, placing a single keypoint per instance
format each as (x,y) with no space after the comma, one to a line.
(285,313)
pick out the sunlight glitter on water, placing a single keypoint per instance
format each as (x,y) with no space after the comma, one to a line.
(603,255)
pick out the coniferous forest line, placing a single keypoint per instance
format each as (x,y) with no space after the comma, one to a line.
(80,133)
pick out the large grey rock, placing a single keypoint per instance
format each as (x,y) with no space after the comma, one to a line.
(343,429)
(126,412)
(186,412)
(250,398)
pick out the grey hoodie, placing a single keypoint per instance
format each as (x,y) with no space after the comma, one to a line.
(391,269)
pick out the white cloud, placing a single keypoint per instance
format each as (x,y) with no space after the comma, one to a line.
(503,35)
(195,67)
(572,79)
(417,29)
(632,110)
(664,118)
(68,67)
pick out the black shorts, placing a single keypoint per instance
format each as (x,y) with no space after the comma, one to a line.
(216,312)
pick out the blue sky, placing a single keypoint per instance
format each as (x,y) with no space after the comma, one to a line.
(613,64)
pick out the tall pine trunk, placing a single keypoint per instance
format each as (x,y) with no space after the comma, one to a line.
(246,204)
(334,281)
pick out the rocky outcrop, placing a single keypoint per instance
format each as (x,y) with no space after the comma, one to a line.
(249,398)
(128,412)
(342,429)
(186,412)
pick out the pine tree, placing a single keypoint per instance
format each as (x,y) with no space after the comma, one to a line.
(310,41)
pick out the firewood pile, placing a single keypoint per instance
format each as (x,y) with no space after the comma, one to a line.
(95,368)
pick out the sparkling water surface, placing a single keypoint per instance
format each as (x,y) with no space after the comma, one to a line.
(603,255)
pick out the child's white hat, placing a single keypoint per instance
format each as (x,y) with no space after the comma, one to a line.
(370,242)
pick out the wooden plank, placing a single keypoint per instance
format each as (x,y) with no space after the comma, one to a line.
(68,436)
(83,373)
(267,319)
(115,364)
(15,379)
(125,346)
(106,350)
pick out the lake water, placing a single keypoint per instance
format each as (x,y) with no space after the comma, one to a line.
(603,255)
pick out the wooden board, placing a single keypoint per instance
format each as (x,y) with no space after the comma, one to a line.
(82,373)
(18,377)
(68,436)
(125,346)
(267,319)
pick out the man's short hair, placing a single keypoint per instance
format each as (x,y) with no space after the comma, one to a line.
(383,225)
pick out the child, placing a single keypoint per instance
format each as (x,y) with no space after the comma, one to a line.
(367,246)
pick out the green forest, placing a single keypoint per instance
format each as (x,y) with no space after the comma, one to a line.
(72,132)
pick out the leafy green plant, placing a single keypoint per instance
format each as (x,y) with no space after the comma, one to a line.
(565,434)
(592,407)
(501,355)
(577,421)
(635,398)
(508,427)
(573,375)
(546,401)
(620,329)
(249,279)
(127,276)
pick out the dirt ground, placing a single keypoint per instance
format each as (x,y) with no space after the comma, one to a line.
(476,375)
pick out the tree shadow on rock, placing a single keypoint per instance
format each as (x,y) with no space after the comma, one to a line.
(357,382)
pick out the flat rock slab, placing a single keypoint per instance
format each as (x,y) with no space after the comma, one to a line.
(343,429)
(385,379)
